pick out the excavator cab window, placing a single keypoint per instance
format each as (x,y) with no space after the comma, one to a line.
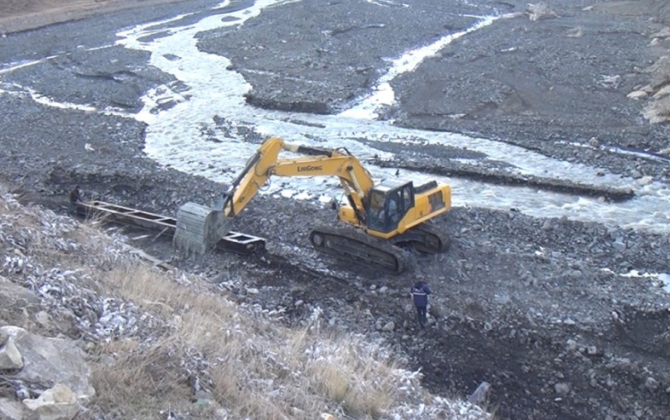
(388,206)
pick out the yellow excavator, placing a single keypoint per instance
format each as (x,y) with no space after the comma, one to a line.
(388,215)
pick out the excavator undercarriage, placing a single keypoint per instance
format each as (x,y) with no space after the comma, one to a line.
(355,246)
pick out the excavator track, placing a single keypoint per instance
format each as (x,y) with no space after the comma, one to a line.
(424,238)
(434,240)
(354,246)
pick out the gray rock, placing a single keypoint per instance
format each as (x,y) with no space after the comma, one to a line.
(619,246)
(481,393)
(390,326)
(57,403)
(562,388)
(10,409)
(50,361)
(15,296)
(651,384)
(10,357)
(44,319)
(571,345)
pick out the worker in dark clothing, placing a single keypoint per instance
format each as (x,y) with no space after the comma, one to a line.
(75,197)
(420,292)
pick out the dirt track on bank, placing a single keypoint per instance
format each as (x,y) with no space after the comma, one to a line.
(523,303)
(23,15)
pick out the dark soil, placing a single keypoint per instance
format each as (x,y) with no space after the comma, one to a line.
(522,303)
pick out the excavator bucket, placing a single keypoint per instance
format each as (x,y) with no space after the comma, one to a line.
(199,228)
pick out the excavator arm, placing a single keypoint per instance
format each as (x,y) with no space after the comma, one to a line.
(355,179)
(199,227)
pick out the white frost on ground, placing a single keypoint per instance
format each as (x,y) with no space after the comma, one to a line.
(665,278)
(33,234)
(660,279)
(61,262)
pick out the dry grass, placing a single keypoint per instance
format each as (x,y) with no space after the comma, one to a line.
(133,381)
(362,385)
(256,369)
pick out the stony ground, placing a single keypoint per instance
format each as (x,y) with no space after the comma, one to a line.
(525,304)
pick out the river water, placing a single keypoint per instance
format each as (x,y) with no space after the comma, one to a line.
(175,136)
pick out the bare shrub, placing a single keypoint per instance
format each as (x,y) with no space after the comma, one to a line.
(137,381)
(360,378)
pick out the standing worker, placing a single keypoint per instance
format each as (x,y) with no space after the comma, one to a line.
(420,292)
(75,197)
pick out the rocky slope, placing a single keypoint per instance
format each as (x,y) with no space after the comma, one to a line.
(87,330)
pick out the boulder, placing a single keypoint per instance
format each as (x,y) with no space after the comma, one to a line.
(540,11)
(10,409)
(637,94)
(663,33)
(660,72)
(13,296)
(663,92)
(577,32)
(562,388)
(49,361)
(480,396)
(10,358)
(658,111)
(57,403)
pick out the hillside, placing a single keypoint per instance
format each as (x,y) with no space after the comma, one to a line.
(80,308)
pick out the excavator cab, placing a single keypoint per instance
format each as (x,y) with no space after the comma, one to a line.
(388,203)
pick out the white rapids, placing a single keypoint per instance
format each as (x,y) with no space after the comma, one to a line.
(174,136)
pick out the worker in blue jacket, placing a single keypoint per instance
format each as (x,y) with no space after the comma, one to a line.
(420,292)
